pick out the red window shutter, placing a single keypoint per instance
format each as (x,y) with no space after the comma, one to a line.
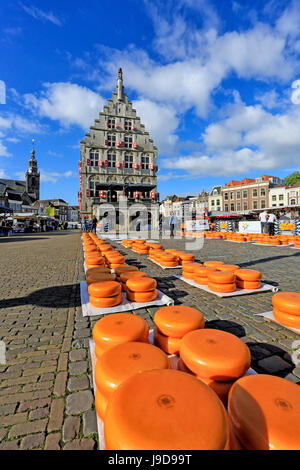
(124,164)
(116,125)
(79,164)
(88,162)
(118,164)
(101,194)
(117,143)
(122,144)
(132,127)
(134,165)
(140,166)
(134,145)
(100,162)
(87,193)
(106,143)
(151,166)
(106,163)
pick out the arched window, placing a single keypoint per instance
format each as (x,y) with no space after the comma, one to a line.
(293,202)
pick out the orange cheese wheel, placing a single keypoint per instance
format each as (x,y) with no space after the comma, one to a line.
(115,266)
(98,351)
(100,403)
(98,270)
(168,401)
(168,264)
(190,267)
(132,274)
(215,354)
(200,280)
(286,319)
(248,284)
(203,271)
(100,278)
(228,267)
(125,269)
(264,412)
(178,320)
(168,344)
(118,328)
(168,257)
(221,277)
(212,264)
(181,366)
(125,360)
(104,289)
(141,297)
(248,275)
(234,443)
(187,257)
(288,302)
(222,389)
(225,288)
(188,275)
(106,302)
(142,284)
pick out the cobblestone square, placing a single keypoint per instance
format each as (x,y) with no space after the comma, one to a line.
(46,392)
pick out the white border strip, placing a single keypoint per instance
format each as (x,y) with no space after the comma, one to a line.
(165,267)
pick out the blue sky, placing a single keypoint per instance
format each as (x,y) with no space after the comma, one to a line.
(217,84)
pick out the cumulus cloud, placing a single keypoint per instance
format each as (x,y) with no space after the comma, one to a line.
(248,139)
(296,93)
(160,121)
(3,151)
(53,177)
(2,173)
(68,103)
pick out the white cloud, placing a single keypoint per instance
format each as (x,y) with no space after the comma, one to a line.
(53,177)
(295,98)
(2,173)
(248,139)
(3,151)
(160,121)
(67,103)
(39,14)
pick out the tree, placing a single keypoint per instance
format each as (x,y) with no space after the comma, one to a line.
(292,179)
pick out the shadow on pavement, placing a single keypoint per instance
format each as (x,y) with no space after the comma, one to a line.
(270,359)
(228,326)
(55,297)
(264,260)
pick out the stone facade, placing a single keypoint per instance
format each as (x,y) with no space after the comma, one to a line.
(118,164)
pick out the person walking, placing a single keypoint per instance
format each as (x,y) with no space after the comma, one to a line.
(172,223)
(263,217)
(271,224)
(94,224)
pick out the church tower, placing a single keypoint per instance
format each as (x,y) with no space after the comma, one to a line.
(33,176)
(118,162)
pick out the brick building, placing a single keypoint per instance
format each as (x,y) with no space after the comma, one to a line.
(118,164)
(248,194)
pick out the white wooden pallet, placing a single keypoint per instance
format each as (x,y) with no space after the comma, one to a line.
(269,316)
(165,267)
(89,311)
(239,291)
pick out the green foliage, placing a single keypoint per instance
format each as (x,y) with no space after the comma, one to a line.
(292,179)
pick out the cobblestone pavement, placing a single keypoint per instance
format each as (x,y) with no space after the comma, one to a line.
(46,394)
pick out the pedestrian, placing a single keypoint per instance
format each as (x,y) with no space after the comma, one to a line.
(271,224)
(263,217)
(172,223)
(85,225)
(94,224)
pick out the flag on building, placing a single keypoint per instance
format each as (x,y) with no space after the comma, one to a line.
(50,211)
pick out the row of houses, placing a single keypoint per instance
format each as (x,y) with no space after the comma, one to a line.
(237,197)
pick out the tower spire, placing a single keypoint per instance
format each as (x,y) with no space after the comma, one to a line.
(120,88)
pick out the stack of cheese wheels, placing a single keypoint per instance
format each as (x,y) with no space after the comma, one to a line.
(105,294)
(154,246)
(115,260)
(154,254)
(248,278)
(228,267)
(200,274)
(264,413)
(185,257)
(94,260)
(286,308)
(221,281)
(216,357)
(141,289)
(123,277)
(118,328)
(105,247)
(178,413)
(127,243)
(213,264)
(168,260)
(124,269)
(121,362)
(188,269)
(172,323)
(93,277)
